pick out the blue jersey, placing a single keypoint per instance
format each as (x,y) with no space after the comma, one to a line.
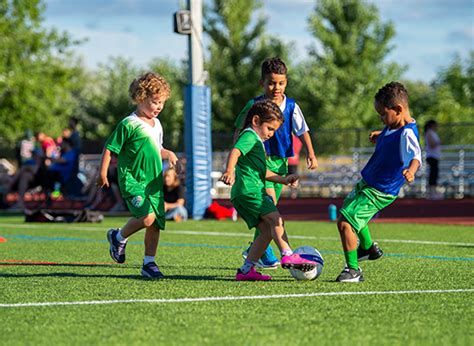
(385,166)
(281,144)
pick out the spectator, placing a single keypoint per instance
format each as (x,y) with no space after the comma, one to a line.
(25,148)
(61,169)
(433,155)
(174,197)
(75,136)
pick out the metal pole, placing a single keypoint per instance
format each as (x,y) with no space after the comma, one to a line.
(196,56)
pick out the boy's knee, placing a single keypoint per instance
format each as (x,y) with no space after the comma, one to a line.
(148,220)
(273,219)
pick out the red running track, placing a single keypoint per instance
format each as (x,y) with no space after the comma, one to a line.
(450,211)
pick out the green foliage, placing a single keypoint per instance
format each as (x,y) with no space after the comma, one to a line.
(449,100)
(107,101)
(337,84)
(238,47)
(39,79)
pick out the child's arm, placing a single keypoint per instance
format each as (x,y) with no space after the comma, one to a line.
(311,159)
(410,172)
(290,179)
(374,135)
(103,168)
(228,176)
(170,156)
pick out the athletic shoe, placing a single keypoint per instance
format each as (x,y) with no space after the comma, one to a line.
(151,271)
(252,275)
(268,259)
(117,249)
(350,275)
(297,262)
(372,253)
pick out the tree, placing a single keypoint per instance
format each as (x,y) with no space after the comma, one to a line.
(106,101)
(237,50)
(39,77)
(338,81)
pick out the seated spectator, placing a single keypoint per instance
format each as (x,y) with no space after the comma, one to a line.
(61,169)
(174,197)
(25,149)
(48,145)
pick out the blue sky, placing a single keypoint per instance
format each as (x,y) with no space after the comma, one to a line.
(429,32)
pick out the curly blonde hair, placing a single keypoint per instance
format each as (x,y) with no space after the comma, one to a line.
(148,85)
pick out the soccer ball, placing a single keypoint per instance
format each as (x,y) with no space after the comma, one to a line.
(311,254)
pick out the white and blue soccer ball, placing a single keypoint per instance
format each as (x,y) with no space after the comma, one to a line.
(310,253)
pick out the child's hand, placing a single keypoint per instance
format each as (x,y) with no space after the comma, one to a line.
(172,159)
(373,136)
(228,178)
(102,181)
(292,180)
(312,162)
(409,176)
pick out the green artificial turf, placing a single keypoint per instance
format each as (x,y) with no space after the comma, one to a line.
(199,259)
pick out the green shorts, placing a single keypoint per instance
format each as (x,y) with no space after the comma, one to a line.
(142,205)
(252,207)
(277,165)
(362,203)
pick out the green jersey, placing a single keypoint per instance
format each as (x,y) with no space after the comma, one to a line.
(251,168)
(138,146)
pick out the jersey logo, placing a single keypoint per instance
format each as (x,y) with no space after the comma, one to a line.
(137,201)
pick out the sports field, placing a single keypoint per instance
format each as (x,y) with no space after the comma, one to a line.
(58,285)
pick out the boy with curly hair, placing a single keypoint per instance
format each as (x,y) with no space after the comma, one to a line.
(138,142)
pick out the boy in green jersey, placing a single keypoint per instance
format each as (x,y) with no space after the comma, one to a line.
(138,142)
(248,193)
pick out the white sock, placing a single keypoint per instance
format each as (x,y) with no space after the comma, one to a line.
(247,266)
(120,238)
(148,259)
(286,252)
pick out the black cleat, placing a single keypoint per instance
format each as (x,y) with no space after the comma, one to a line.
(116,249)
(350,275)
(151,271)
(372,253)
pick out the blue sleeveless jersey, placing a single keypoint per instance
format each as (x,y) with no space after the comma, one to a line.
(385,166)
(281,144)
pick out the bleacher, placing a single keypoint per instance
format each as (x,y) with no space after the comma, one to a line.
(337,174)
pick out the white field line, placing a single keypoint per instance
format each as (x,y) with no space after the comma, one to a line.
(230,234)
(232,298)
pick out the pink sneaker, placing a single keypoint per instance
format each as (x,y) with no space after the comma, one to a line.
(298,262)
(252,275)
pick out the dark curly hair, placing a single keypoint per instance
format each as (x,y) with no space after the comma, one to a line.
(273,65)
(266,110)
(392,94)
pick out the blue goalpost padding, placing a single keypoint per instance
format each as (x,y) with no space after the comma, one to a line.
(198,149)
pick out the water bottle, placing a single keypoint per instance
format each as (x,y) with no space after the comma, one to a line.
(332,209)
(56,191)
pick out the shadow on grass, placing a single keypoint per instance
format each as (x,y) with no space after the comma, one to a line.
(112,276)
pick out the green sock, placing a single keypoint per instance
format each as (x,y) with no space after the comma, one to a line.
(351,259)
(365,238)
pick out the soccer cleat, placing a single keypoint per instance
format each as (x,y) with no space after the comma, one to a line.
(267,261)
(297,262)
(151,271)
(350,275)
(117,249)
(252,275)
(372,253)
